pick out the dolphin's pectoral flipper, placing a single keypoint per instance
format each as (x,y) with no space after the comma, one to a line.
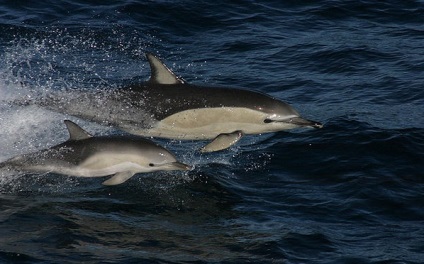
(161,74)
(223,141)
(119,178)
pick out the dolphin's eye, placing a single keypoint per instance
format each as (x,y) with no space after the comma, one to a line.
(151,164)
(267,121)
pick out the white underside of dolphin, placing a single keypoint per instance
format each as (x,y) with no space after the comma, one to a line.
(211,122)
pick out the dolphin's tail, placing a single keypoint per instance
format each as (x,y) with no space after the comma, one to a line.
(21,102)
(11,164)
(6,165)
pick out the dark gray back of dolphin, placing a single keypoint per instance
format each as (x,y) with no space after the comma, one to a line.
(165,100)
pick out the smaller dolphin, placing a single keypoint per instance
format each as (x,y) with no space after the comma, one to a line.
(86,156)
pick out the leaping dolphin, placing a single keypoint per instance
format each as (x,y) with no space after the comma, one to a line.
(167,106)
(86,156)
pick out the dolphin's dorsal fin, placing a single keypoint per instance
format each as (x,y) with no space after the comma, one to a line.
(160,73)
(75,131)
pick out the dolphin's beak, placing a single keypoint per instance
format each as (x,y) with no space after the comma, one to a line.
(180,166)
(304,122)
(298,121)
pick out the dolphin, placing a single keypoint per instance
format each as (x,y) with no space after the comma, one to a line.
(167,106)
(86,156)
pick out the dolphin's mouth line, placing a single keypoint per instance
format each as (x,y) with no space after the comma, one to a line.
(176,165)
(296,121)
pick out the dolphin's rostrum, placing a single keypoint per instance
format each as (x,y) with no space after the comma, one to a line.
(86,156)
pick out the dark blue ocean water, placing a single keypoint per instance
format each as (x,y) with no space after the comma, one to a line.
(352,192)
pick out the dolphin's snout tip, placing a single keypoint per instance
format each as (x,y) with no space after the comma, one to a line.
(317,125)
